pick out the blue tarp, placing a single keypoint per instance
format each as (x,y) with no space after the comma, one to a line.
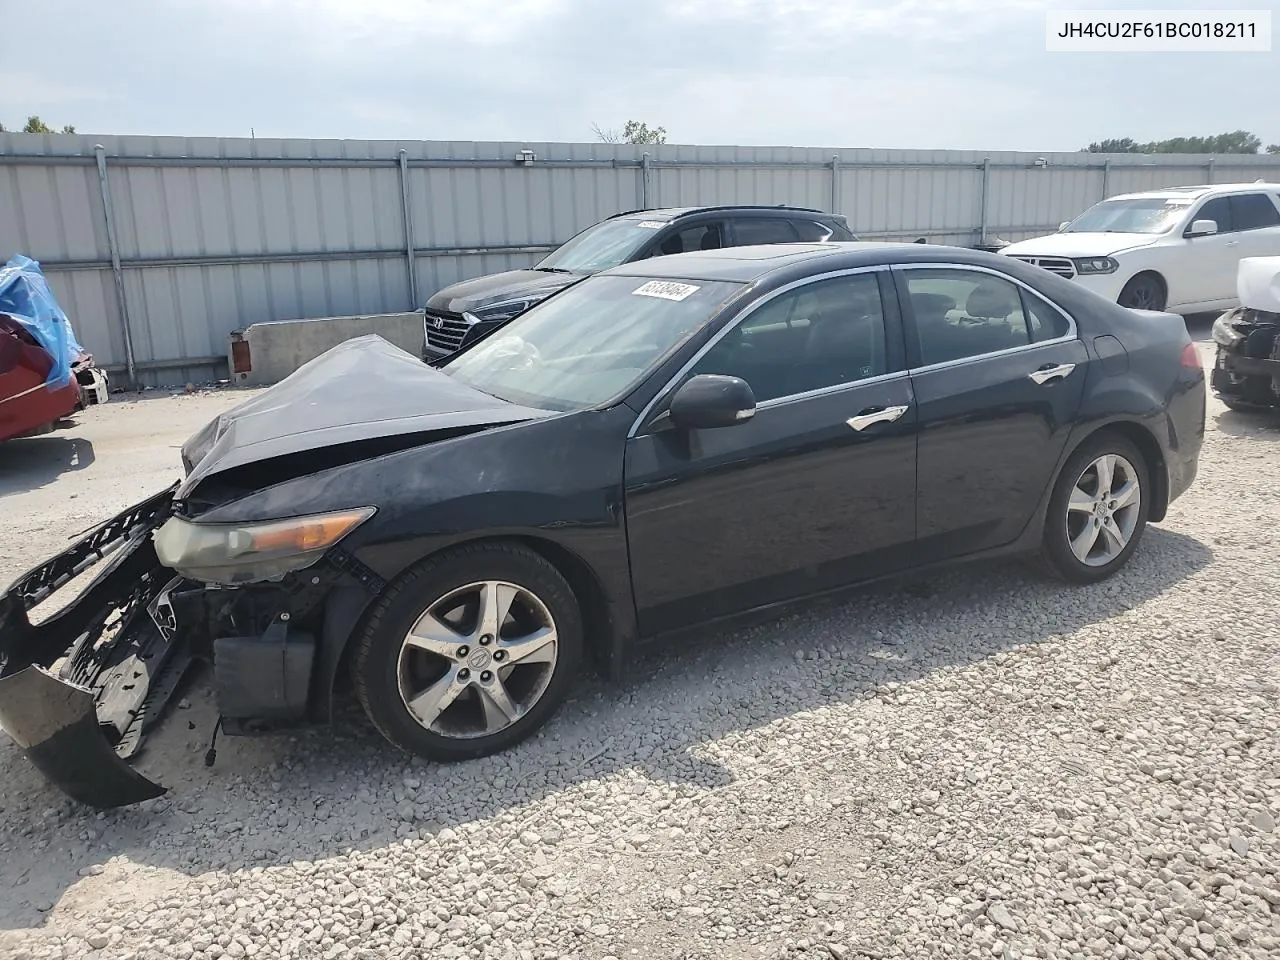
(25,296)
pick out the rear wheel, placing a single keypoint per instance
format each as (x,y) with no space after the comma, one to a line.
(1098,510)
(470,652)
(1144,292)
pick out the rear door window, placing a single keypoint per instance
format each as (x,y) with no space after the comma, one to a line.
(750,231)
(1253,211)
(966,313)
(699,236)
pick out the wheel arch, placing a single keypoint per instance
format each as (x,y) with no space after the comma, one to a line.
(1152,454)
(603,637)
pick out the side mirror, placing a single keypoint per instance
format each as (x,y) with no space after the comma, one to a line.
(1063,225)
(710,400)
(1202,228)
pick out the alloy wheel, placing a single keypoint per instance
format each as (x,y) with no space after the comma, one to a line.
(1103,510)
(478,659)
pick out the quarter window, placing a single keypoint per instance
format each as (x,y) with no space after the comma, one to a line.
(820,335)
(811,231)
(1043,321)
(967,313)
(1253,211)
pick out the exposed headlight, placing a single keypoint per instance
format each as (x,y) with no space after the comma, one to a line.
(247,552)
(1224,333)
(1093,265)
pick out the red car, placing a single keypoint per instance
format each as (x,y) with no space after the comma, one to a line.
(44,374)
(27,404)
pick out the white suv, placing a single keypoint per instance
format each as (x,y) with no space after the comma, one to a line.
(1175,249)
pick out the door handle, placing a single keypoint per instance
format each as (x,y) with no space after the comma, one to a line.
(873,415)
(1051,372)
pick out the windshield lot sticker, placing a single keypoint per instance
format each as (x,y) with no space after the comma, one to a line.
(652,224)
(665,289)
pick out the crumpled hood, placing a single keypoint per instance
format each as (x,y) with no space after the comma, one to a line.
(478,293)
(362,389)
(1078,244)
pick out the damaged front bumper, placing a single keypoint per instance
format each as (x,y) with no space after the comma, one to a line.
(79,689)
(1246,370)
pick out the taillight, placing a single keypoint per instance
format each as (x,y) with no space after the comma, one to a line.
(1191,358)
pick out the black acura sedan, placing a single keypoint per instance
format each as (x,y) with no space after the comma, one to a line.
(667,444)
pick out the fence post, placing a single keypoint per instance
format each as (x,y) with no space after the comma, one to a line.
(1106,178)
(406,210)
(122,302)
(986,179)
(835,184)
(644,181)
(1209,167)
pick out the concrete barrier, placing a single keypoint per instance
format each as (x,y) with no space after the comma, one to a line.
(266,353)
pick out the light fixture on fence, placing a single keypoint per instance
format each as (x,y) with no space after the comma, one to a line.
(1040,162)
(525,156)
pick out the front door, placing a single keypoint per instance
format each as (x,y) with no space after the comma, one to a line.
(1208,265)
(998,376)
(816,490)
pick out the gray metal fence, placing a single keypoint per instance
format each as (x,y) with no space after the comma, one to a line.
(160,247)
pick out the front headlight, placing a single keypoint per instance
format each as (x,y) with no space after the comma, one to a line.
(1095,265)
(500,311)
(234,553)
(1224,333)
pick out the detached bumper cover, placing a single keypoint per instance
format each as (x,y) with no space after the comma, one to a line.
(78,691)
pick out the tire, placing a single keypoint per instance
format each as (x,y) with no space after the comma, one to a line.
(1064,524)
(472,690)
(1144,291)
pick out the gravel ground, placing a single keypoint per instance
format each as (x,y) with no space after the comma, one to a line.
(978,765)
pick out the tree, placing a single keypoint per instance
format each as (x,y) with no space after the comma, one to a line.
(632,132)
(36,125)
(1274,148)
(1126,145)
(1238,141)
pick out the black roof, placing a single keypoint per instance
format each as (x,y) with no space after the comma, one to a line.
(671,213)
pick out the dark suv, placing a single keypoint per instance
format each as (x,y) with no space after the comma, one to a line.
(467,310)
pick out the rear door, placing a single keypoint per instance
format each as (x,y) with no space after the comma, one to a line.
(1257,223)
(998,376)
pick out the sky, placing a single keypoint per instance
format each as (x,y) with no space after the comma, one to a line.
(929,74)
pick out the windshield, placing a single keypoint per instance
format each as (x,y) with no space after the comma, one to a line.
(589,343)
(603,246)
(1146,215)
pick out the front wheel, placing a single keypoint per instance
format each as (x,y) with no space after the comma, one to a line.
(1097,512)
(470,652)
(1143,292)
